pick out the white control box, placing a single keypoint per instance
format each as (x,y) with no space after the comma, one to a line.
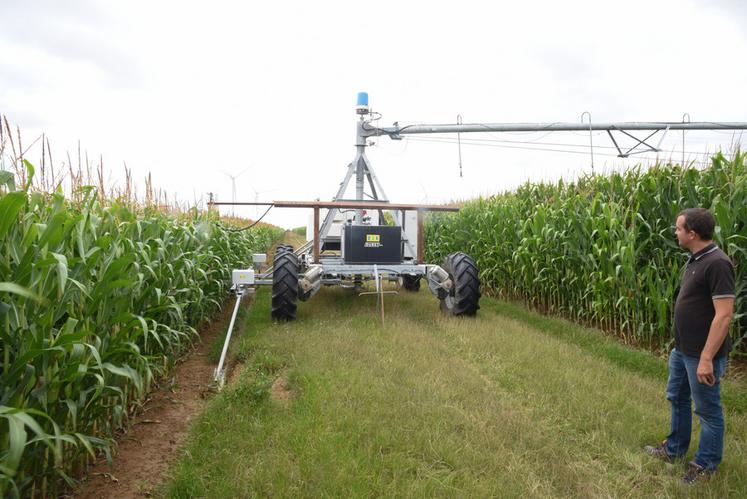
(243,277)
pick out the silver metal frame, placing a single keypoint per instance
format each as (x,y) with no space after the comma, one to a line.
(371,269)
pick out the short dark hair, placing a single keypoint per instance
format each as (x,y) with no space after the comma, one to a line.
(699,220)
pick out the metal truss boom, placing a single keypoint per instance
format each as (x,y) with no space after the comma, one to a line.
(396,132)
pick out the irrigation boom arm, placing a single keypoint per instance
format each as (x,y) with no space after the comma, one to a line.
(396,131)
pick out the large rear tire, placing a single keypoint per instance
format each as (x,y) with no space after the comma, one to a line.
(284,247)
(464,296)
(284,285)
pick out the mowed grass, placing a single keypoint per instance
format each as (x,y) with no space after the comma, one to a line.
(508,404)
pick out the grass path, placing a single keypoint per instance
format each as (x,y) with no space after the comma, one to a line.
(509,404)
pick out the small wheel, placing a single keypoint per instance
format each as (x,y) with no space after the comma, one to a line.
(410,282)
(464,296)
(284,285)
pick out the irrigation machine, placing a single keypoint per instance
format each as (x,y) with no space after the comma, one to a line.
(353,244)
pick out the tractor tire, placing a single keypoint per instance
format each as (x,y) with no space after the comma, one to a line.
(410,282)
(464,296)
(284,247)
(284,285)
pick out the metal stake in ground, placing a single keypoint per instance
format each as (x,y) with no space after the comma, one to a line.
(220,373)
(379,292)
(242,278)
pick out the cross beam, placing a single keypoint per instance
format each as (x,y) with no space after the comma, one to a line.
(366,205)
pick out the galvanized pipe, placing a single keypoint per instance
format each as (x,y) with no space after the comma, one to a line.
(554,127)
(360,164)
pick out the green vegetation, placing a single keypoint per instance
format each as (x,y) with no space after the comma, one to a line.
(96,300)
(508,404)
(601,251)
(301,231)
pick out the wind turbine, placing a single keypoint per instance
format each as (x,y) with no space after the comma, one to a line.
(233,186)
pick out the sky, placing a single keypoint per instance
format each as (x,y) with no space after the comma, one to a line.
(196,92)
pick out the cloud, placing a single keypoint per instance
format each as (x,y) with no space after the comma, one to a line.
(69,33)
(736,9)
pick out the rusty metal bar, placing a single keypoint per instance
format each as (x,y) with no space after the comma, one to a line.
(365,204)
(229,203)
(372,205)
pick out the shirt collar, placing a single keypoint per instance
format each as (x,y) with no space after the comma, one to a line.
(708,249)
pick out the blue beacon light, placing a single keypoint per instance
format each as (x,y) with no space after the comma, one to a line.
(361,106)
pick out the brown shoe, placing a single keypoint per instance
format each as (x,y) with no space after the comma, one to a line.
(659,452)
(696,473)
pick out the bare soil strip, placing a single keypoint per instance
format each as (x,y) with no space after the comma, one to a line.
(147,450)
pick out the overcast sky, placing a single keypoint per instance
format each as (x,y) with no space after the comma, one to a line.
(190,90)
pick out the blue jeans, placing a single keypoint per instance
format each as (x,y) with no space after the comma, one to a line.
(681,387)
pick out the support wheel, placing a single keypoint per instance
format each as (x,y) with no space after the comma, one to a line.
(464,296)
(284,247)
(410,282)
(284,285)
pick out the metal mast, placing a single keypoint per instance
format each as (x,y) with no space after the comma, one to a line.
(361,168)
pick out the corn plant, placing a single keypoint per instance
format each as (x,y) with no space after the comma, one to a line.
(602,250)
(96,301)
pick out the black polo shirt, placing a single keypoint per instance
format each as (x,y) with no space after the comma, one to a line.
(708,275)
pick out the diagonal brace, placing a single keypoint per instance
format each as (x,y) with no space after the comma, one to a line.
(639,142)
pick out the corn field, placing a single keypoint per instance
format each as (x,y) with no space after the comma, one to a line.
(96,301)
(602,250)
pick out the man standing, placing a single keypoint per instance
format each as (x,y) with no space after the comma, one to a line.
(702,313)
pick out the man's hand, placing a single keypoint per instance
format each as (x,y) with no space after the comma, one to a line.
(705,372)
